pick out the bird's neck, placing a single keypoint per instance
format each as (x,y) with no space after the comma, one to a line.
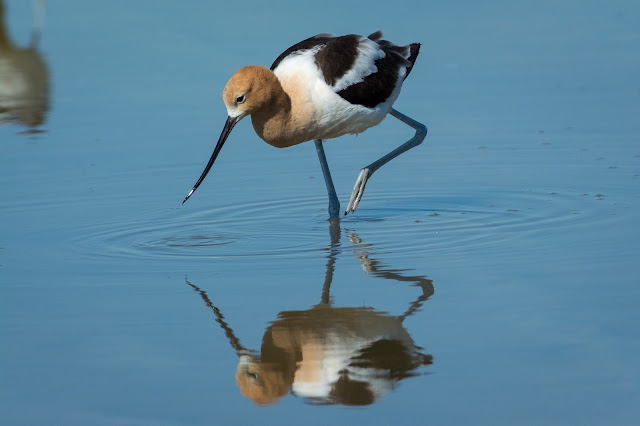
(282,123)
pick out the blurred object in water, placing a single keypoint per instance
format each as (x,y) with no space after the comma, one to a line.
(24,78)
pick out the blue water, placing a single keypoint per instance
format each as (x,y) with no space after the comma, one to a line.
(489,276)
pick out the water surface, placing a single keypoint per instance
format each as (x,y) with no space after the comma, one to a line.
(490,276)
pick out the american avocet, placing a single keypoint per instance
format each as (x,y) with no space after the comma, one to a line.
(322,88)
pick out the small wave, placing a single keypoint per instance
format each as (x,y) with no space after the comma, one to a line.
(294,227)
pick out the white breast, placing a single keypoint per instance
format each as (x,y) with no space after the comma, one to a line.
(332,116)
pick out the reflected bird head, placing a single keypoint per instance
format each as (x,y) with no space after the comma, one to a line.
(263,382)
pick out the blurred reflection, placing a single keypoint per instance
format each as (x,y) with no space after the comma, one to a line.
(331,355)
(24,80)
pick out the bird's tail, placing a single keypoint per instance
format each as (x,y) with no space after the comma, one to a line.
(414,49)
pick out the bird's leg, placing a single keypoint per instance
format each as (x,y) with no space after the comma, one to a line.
(365,174)
(334,204)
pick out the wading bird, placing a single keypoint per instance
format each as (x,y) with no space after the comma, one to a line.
(322,88)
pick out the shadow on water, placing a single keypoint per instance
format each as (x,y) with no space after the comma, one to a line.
(327,354)
(24,78)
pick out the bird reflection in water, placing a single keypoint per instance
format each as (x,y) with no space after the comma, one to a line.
(24,79)
(332,355)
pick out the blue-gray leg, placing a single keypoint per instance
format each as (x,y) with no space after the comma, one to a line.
(365,174)
(334,204)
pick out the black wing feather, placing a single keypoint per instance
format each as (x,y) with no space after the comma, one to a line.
(377,87)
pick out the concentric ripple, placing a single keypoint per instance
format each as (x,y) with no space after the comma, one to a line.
(254,229)
(398,222)
(462,222)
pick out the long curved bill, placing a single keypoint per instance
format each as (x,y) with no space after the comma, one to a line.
(228,125)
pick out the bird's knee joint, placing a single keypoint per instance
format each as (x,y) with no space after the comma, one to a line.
(421,133)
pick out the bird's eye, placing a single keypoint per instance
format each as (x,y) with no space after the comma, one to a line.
(240,99)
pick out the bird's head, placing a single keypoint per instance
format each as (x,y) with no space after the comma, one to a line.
(249,89)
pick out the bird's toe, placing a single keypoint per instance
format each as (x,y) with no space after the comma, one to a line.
(358,190)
